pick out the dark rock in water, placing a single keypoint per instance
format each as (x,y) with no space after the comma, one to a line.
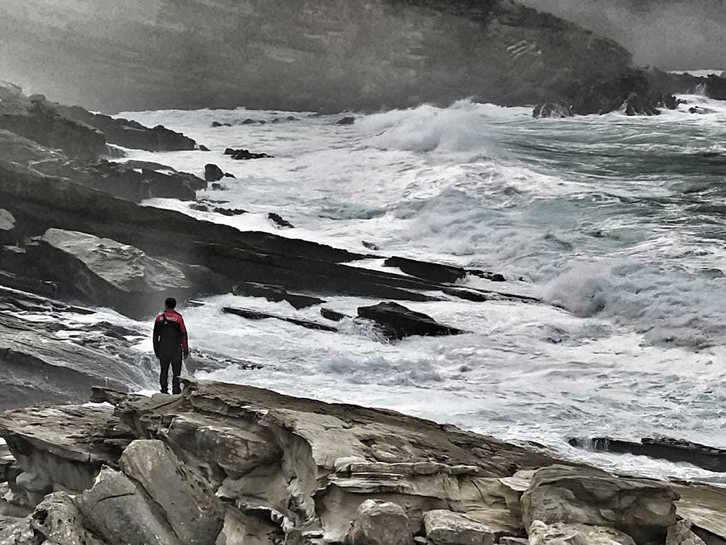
(700,110)
(130,134)
(199,207)
(429,271)
(249,121)
(349,120)
(370,246)
(212,172)
(637,104)
(229,175)
(275,294)
(40,121)
(230,211)
(398,322)
(716,87)
(245,155)
(492,277)
(257,315)
(216,124)
(279,220)
(555,110)
(332,315)
(673,450)
(203,148)
(218,187)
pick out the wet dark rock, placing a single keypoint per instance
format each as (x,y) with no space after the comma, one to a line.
(257,315)
(147,165)
(715,87)
(249,121)
(278,220)
(637,104)
(202,147)
(429,271)
(230,211)
(555,110)
(130,134)
(348,120)
(370,246)
(673,450)
(229,175)
(700,110)
(245,154)
(398,322)
(276,294)
(218,187)
(212,173)
(216,124)
(332,315)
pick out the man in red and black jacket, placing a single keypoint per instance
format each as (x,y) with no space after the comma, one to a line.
(171,344)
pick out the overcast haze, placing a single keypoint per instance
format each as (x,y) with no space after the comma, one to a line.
(671,34)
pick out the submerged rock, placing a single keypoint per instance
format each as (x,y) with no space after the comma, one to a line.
(278,220)
(276,294)
(245,154)
(257,315)
(398,321)
(349,120)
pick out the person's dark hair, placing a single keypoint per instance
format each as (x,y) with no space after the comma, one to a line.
(170,303)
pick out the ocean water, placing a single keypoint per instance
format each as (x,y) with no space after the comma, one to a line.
(617,223)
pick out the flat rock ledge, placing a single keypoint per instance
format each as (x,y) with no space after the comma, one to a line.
(228,464)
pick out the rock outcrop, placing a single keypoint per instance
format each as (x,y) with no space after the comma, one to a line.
(130,134)
(642,509)
(235,464)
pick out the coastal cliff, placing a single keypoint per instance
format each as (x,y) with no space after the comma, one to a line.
(303,55)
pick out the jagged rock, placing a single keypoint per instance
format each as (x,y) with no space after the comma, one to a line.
(332,315)
(705,508)
(212,172)
(278,220)
(380,523)
(576,534)
(257,315)
(447,528)
(398,322)
(230,211)
(118,512)
(129,134)
(643,509)
(664,448)
(188,504)
(57,520)
(681,534)
(637,104)
(37,366)
(348,120)
(245,154)
(275,294)
(49,458)
(110,273)
(555,110)
(41,122)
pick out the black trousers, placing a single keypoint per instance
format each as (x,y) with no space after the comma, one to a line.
(175,362)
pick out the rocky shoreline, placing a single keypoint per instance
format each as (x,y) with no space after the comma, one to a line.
(228,464)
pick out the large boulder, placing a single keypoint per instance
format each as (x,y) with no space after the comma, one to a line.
(117,510)
(188,503)
(57,520)
(212,172)
(643,509)
(398,321)
(447,528)
(380,523)
(109,273)
(576,534)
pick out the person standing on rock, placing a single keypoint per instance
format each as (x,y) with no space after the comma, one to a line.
(171,344)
